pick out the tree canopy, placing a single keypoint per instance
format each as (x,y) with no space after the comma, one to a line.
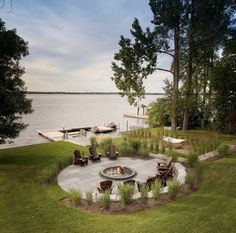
(191,33)
(13,100)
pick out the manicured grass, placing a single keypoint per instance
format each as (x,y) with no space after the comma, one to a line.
(26,206)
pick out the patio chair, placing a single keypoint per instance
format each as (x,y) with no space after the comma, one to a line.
(161,167)
(112,152)
(147,184)
(78,160)
(130,182)
(105,185)
(94,156)
(150,181)
(165,175)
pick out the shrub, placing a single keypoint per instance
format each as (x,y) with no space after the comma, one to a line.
(173,189)
(156,192)
(124,149)
(89,197)
(93,141)
(190,180)
(151,146)
(223,150)
(126,193)
(157,147)
(143,153)
(192,159)
(135,145)
(144,194)
(145,144)
(105,200)
(173,154)
(75,196)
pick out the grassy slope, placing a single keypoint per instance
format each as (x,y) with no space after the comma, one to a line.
(25,206)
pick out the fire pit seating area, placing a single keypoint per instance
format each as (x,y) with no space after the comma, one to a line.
(109,175)
(78,159)
(94,156)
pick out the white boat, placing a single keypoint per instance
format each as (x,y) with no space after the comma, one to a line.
(102,129)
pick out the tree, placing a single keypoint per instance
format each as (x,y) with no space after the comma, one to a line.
(206,30)
(13,101)
(191,32)
(137,59)
(224,88)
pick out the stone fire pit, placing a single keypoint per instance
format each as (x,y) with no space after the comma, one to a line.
(118,172)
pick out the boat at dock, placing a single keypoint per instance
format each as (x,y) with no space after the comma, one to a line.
(111,125)
(102,129)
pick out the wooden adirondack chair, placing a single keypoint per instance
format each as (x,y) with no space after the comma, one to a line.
(161,167)
(105,185)
(78,160)
(112,152)
(94,156)
(130,182)
(147,184)
(165,175)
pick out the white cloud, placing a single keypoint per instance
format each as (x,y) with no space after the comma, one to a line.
(72,43)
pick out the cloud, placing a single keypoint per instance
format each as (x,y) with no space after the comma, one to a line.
(72,43)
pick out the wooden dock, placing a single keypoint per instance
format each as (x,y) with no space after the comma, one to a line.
(51,135)
(142,117)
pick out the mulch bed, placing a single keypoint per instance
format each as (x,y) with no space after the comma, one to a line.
(135,206)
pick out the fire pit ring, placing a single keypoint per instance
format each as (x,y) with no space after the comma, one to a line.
(118,173)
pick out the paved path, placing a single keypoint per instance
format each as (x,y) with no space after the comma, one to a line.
(87,178)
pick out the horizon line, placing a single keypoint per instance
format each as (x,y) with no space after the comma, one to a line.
(85,92)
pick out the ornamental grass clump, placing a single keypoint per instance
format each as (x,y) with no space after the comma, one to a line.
(126,193)
(124,149)
(145,144)
(223,150)
(156,146)
(93,141)
(105,144)
(135,145)
(192,159)
(105,200)
(75,196)
(143,153)
(190,180)
(144,194)
(89,198)
(156,190)
(173,189)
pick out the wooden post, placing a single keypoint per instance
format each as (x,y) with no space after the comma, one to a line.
(127,125)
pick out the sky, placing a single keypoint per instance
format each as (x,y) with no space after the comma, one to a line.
(72,43)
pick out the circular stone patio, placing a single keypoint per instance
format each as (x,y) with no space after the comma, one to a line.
(87,178)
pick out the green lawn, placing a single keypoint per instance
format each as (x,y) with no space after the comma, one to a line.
(26,206)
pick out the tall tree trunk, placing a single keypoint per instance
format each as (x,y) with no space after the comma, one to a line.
(176,69)
(188,95)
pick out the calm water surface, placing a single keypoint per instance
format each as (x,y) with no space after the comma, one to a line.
(57,111)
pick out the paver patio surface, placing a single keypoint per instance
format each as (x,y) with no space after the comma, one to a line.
(87,178)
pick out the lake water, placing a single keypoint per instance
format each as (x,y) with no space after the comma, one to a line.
(57,111)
